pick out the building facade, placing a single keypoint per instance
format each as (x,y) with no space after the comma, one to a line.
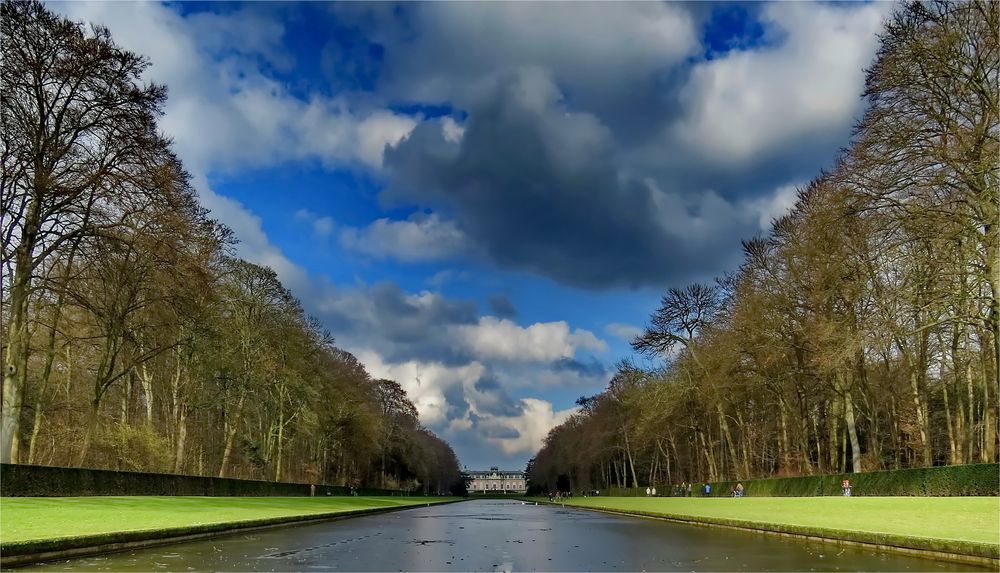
(497,481)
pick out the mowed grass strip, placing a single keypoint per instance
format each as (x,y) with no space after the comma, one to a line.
(954,520)
(24,520)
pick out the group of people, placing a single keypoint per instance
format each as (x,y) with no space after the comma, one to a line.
(684,490)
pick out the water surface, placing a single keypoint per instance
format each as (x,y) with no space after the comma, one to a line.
(500,535)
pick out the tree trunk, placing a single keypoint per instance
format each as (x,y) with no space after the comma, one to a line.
(953,447)
(231,427)
(631,463)
(921,420)
(833,433)
(36,427)
(709,458)
(146,381)
(819,441)
(969,434)
(15,364)
(228,451)
(783,437)
(731,446)
(852,431)
(281,437)
(16,354)
(181,430)
(88,436)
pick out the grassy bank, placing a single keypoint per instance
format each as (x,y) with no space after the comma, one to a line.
(968,525)
(32,524)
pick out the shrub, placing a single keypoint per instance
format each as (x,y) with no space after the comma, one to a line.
(972,479)
(43,481)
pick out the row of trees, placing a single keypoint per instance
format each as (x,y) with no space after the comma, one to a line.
(133,338)
(862,332)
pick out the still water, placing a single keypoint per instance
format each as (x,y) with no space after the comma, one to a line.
(499,535)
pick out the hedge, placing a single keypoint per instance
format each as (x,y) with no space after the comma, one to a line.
(21,480)
(971,479)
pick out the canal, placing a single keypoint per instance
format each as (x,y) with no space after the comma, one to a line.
(500,535)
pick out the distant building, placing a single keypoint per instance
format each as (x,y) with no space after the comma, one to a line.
(497,481)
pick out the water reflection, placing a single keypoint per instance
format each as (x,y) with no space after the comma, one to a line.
(501,535)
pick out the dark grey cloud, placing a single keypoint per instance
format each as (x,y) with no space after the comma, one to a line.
(539,187)
(478,452)
(502,306)
(591,368)
(399,325)
(487,383)
(493,399)
(574,112)
(458,405)
(501,432)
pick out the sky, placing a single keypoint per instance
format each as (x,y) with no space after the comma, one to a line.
(484,202)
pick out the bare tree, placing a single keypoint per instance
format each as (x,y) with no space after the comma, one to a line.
(78,128)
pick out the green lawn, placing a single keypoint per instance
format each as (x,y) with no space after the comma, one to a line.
(957,519)
(29,519)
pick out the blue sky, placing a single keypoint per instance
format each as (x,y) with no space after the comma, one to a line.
(485,201)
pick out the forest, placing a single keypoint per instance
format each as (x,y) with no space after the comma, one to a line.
(134,338)
(861,332)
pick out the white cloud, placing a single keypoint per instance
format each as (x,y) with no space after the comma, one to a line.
(578,42)
(425,382)
(534,422)
(502,339)
(775,205)
(697,218)
(379,130)
(419,238)
(623,331)
(452,130)
(223,112)
(445,276)
(323,226)
(748,101)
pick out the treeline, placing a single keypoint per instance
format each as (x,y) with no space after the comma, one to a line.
(862,332)
(133,338)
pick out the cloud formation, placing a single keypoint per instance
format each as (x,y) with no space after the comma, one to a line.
(224,111)
(750,101)
(624,161)
(420,238)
